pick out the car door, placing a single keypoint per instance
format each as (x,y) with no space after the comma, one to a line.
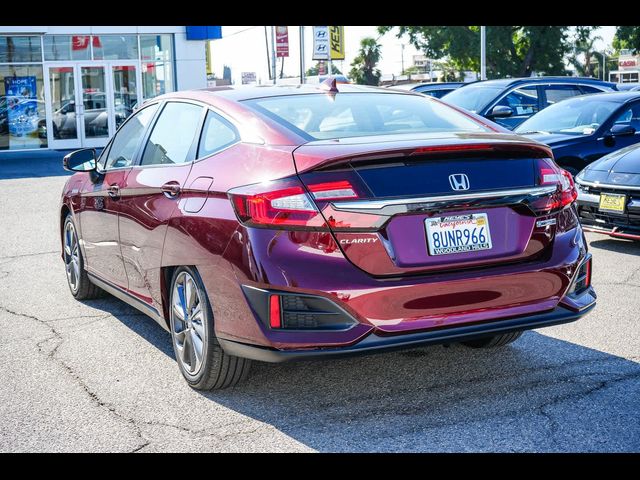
(627,116)
(524,101)
(100,201)
(151,192)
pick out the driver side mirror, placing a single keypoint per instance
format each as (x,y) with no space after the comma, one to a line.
(501,111)
(621,131)
(81,160)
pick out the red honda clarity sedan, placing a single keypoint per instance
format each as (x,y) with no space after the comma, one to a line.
(274,223)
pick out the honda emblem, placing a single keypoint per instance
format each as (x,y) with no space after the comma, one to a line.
(459,182)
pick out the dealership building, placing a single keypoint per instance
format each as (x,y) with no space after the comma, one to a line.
(71,87)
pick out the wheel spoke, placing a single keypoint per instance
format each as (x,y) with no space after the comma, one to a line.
(67,250)
(76,268)
(190,293)
(197,345)
(186,351)
(177,310)
(196,313)
(198,328)
(180,288)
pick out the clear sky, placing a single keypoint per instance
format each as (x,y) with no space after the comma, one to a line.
(243,49)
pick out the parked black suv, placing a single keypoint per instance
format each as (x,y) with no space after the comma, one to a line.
(510,101)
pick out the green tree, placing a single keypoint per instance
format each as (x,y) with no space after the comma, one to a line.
(363,68)
(312,71)
(511,50)
(627,37)
(583,47)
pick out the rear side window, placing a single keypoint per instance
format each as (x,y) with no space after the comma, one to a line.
(324,116)
(555,93)
(172,135)
(216,135)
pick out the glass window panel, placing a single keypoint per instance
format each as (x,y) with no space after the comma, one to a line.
(115,47)
(63,103)
(156,48)
(126,141)
(523,101)
(22,117)
(172,135)
(20,49)
(67,47)
(94,100)
(157,78)
(216,135)
(125,91)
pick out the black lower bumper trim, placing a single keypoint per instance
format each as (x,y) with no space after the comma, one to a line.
(376,343)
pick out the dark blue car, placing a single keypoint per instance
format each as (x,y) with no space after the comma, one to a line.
(510,101)
(433,89)
(580,130)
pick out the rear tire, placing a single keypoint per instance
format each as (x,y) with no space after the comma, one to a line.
(77,277)
(202,361)
(493,342)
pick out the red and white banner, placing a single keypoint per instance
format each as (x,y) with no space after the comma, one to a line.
(282,41)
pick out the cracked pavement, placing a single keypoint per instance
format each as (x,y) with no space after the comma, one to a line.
(100,376)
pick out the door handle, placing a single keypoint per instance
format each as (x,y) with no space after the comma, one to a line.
(171,189)
(114,191)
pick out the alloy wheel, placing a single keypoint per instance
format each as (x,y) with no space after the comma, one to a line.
(72,256)
(188,323)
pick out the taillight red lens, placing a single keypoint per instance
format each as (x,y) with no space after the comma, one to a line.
(550,174)
(285,203)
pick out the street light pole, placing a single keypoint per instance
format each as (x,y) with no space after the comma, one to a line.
(483,53)
(402,48)
(273,54)
(301,54)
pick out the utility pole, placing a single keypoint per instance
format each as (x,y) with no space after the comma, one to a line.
(301,54)
(483,53)
(402,57)
(266,43)
(273,55)
(604,63)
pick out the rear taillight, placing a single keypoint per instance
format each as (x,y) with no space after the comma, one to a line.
(286,204)
(582,280)
(550,174)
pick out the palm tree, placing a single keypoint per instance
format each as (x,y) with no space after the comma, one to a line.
(584,46)
(363,68)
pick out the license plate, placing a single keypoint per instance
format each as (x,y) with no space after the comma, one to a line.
(458,234)
(613,202)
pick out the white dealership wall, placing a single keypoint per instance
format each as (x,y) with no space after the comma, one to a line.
(191,70)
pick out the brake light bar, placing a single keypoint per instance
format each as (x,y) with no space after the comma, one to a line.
(340,190)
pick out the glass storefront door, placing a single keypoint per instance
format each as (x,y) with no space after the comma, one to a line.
(87,102)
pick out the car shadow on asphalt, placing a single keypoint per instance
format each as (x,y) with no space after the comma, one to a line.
(618,245)
(539,393)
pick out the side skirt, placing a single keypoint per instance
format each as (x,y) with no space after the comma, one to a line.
(129,299)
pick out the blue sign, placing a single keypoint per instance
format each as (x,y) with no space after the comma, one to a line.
(22,105)
(204,33)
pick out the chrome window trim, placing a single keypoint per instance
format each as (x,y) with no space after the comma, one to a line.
(358,205)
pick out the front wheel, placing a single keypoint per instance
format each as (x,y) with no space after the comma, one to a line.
(201,359)
(77,278)
(493,342)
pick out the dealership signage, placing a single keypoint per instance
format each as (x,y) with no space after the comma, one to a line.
(628,62)
(248,77)
(328,43)
(282,42)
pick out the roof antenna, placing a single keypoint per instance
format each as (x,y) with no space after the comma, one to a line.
(329,85)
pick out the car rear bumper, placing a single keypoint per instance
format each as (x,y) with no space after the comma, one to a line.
(374,342)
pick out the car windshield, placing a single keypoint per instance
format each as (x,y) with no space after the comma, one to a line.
(325,116)
(472,97)
(578,116)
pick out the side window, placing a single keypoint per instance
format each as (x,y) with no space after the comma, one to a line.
(555,93)
(523,101)
(586,89)
(172,135)
(629,116)
(125,143)
(216,135)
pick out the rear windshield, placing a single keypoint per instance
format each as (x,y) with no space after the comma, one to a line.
(322,116)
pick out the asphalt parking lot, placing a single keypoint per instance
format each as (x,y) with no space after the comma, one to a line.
(99,376)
